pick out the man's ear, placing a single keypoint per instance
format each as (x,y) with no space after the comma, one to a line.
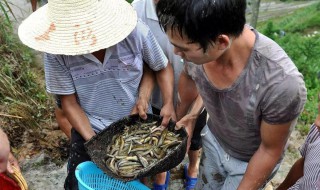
(223,41)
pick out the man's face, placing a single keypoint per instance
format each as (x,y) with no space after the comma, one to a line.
(191,52)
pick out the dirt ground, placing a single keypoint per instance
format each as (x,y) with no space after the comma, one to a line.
(40,166)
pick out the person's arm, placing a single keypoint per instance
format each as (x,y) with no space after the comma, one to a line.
(76,116)
(189,104)
(187,94)
(295,173)
(145,90)
(273,140)
(154,56)
(165,80)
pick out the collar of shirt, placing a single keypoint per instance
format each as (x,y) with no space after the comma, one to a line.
(151,10)
(91,57)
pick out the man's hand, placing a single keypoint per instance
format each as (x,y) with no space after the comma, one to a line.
(145,90)
(167,112)
(141,107)
(188,122)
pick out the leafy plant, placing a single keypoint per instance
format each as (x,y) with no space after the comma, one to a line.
(24,102)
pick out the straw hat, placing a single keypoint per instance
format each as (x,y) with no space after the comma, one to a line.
(74,27)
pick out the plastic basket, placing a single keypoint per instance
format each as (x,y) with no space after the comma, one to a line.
(90,177)
(6,183)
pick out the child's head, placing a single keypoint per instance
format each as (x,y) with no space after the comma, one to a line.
(73,27)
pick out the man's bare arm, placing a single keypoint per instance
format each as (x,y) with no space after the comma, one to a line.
(165,79)
(295,173)
(145,91)
(189,105)
(273,140)
(76,116)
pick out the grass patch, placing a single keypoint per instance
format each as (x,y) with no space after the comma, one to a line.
(299,21)
(25,109)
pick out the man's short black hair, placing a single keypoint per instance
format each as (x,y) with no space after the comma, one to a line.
(202,21)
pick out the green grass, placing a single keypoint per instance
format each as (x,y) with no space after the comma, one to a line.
(24,101)
(299,21)
(303,47)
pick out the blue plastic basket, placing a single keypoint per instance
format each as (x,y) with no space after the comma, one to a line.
(90,177)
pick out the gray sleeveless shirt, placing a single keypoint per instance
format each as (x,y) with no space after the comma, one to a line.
(270,88)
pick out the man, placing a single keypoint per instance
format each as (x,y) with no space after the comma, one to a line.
(147,13)
(94,60)
(251,89)
(305,172)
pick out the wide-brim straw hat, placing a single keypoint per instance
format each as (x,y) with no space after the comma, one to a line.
(74,27)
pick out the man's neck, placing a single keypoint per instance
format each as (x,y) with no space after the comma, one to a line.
(224,71)
(100,54)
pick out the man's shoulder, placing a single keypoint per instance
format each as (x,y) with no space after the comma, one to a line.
(268,48)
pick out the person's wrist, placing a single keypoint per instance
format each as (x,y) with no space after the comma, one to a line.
(167,103)
(144,97)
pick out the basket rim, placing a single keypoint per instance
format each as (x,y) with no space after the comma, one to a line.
(96,145)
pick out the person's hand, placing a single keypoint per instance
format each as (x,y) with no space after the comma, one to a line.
(167,112)
(188,123)
(141,107)
(12,161)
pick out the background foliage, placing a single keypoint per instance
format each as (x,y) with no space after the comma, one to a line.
(299,35)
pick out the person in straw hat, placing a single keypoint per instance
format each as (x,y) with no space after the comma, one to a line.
(94,58)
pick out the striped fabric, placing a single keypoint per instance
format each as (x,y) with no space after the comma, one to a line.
(311,153)
(106,91)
